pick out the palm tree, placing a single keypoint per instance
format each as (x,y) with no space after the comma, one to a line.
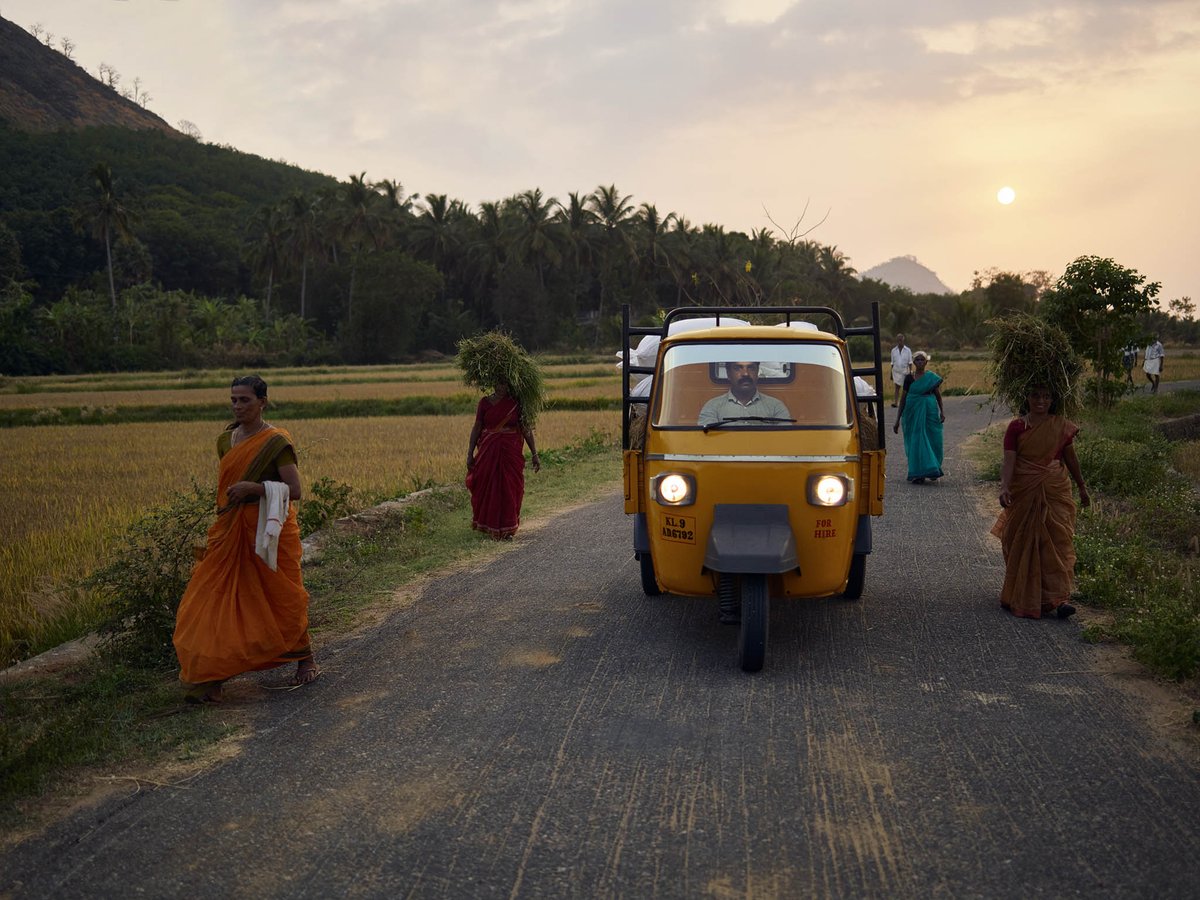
(104,215)
(681,239)
(267,249)
(437,234)
(486,253)
(359,225)
(615,216)
(835,273)
(654,252)
(578,229)
(535,237)
(302,237)
(397,208)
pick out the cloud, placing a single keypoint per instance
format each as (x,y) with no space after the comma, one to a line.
(904,118)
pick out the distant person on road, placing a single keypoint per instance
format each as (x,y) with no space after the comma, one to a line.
(1153,366)
(1036,525)
(245,607)
(496,463)
(742,404)
(902,365)
(1129,358)
(923,416)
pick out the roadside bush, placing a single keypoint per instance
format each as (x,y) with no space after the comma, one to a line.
(324,501)
(1165,629)
(1111,559)
(1130,546)
(1122,468)
(144,581)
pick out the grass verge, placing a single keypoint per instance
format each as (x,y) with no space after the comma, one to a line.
(112,716)
(1136,547)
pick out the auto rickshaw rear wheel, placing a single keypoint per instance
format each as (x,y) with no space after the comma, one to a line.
(756,608)
(858,577)
(649,582)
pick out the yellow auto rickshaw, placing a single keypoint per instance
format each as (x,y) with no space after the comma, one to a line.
(753,456)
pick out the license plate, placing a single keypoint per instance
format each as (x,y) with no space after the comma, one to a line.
(680,529)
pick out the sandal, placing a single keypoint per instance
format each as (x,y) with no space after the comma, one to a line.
(307,671)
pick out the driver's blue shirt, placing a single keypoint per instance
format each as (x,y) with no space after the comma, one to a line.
(727,406)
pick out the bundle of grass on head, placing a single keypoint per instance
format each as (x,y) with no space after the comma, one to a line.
(1029,352)
(495,358)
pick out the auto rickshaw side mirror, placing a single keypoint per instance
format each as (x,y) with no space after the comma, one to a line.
(634,467)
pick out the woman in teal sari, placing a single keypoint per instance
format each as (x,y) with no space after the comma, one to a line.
(922,414)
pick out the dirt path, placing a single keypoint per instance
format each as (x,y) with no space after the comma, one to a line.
(536,727)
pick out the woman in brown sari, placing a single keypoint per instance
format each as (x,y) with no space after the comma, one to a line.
(240,612)
(1036,526)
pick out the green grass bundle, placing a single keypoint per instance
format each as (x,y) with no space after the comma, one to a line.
(1029,352)
(493,357)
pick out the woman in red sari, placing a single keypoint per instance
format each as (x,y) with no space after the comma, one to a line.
(1036,526)
(239,612)
(496,464)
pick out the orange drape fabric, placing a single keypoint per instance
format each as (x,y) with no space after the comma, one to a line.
(236,614)
(1037,530)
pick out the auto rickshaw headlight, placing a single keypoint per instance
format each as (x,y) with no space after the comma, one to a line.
(674,489)
(828,490)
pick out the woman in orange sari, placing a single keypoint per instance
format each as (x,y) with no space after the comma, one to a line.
(239,612)
(1036,526)
(496,464)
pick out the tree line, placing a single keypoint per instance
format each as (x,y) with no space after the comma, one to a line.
(192,255)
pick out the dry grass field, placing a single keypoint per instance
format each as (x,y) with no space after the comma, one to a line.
(607,385)
(67,492)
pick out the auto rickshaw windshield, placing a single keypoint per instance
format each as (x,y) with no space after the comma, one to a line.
(785,385)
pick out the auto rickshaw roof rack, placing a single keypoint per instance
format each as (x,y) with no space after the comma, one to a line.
(789,314)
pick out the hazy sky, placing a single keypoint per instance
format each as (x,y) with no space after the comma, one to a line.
(902,120)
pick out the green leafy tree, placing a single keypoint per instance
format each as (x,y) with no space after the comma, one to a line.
(1099,305)
(395,293)
(10,256)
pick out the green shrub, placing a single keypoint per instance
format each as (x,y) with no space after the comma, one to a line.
(143,583)
(1111,560)
(1165,630)
(1122,468)
(324,501)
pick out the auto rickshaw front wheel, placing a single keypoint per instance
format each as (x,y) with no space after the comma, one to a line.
(649,582)
(858,577)
(756,608)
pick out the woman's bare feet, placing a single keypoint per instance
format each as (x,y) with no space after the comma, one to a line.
(307,671)
(206,692)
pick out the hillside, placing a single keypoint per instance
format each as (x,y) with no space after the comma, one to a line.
(906,272)
(42,90)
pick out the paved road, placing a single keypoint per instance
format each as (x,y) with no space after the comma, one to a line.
(538,728)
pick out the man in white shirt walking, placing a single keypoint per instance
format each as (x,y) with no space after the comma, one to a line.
(901,365)
(1153,365)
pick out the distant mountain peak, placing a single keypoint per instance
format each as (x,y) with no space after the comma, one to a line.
(42,90)
(907,272)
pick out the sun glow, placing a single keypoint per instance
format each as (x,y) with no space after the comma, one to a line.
(1006,195)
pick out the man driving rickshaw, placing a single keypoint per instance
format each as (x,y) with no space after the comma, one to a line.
(765,488)
(742,402)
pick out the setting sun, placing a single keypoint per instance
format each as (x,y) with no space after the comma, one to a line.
(1006,195)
